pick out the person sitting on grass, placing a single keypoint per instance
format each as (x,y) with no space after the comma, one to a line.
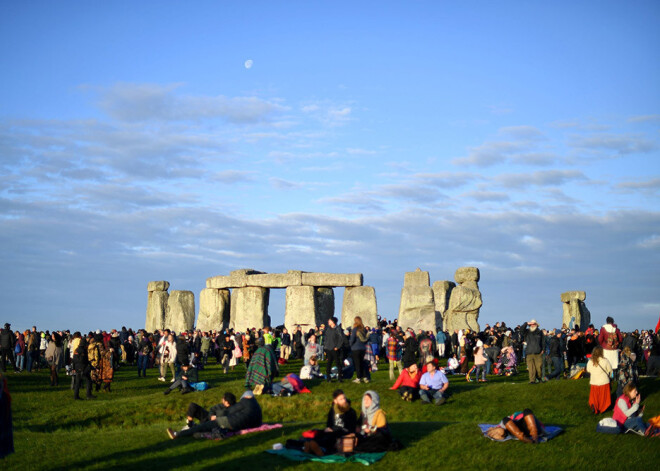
(523,426)
(408,383)
(262,369)
(311,370)
(341,421)
(374,436)
(452,365)
(227,416)
(433,385)
(627,413)
(186,375)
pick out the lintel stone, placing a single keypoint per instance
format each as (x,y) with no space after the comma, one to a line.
(332,279)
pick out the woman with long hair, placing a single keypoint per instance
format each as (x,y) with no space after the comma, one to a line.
(53,357)
(600,370)
(358,342)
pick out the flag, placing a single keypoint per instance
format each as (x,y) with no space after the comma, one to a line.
(657,326)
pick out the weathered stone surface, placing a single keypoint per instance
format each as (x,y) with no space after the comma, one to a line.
(416,278)
(575,312)
(464,301)
(220,282)
(156,310)
(359,301)
(417,308)
(158,286)
(275,280)
(569,296)
(213,309)
(180,314)
(300,308)
(331,279)
(324,301)
(249,308)
(236,279)
(441,294)
(465,274)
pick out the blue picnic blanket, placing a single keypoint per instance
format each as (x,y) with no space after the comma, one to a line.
(297,455)
(551,431)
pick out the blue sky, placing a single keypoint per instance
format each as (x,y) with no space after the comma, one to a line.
(372,137)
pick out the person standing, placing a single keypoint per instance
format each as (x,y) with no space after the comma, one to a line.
(83,369)
(394,353)
(6,347)
(600,371)
(333,345)
(53,357)
(534,339)
(610,339)
(144,350)
(298,344)
(285,348)
(358,343)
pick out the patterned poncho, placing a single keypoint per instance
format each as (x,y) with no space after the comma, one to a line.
(262,368)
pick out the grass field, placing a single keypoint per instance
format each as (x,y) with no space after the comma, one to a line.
(125,429)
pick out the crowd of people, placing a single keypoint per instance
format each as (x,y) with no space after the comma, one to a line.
(424,361)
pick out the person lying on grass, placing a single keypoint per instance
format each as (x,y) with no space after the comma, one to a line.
(408,383)
(433,385)
(341,421)
(227,416)
(187,375)
(523,426)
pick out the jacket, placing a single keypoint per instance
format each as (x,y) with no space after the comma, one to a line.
(6,339)
(343,423)
(534,339)
(600,373)
(405,379)
(333,338)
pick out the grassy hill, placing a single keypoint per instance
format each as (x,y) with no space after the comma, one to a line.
(125,429)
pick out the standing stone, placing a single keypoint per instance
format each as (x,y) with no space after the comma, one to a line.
(575,312)
(300,309)
(249,308)
(180,314)
(465,301)
(359,301)
(441,294)
(324,302)
(213,309)
(156,305)
(417,308)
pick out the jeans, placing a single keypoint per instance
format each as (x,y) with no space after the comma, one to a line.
(374,349)
(635,423)
(32,360)
(426,395)
(477,370)
(557,367)
(20,362)
(394,363)
(143,361)
(277,388)
(489,364)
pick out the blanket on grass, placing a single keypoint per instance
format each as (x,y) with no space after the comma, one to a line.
(218,435)
(297,455)
(551,431)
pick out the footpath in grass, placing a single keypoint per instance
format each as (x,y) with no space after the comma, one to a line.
(125,429)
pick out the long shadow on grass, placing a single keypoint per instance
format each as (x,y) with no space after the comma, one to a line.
(67,426)
(149,456)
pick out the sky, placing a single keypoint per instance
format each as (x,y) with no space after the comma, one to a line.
(137,143)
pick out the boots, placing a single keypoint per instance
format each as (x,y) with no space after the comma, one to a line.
(513,429)
(530,421)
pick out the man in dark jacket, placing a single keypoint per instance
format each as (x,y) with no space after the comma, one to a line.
(187,374)
(83,370)
(227,416)
(334,339)
(533,337)
(556,355)
(6,346)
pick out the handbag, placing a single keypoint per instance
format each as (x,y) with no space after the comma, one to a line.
(346,444)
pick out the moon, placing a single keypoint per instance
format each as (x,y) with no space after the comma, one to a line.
(248,64)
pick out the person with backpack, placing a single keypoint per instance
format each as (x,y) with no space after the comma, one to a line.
(144,350)
(610,339)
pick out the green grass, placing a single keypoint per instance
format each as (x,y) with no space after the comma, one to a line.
(125,429)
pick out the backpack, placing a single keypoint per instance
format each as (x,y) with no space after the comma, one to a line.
(612,341)
(199,386)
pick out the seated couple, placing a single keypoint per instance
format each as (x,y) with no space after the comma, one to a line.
(227,416)
(369,433)
(430,386)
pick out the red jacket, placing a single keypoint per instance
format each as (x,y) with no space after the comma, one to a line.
(405,379)
(602,338)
